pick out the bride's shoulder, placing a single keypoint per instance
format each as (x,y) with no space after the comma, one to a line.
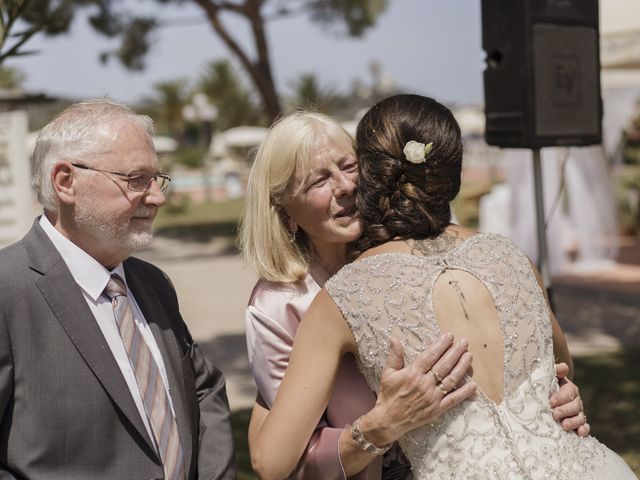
(365,263)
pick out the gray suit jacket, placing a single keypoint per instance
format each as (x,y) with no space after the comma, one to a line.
(65,409)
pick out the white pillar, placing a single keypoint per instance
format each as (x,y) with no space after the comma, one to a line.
(16,195)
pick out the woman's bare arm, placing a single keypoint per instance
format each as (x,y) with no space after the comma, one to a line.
(322,338)
(560,347)
(566,402)
(401,391)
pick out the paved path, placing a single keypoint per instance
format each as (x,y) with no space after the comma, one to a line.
(599,312)
(213,286)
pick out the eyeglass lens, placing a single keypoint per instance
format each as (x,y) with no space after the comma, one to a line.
(140,181)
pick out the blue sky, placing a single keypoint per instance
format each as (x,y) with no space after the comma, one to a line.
(427,46)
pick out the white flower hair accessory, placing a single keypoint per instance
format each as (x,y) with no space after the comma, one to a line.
(417,152)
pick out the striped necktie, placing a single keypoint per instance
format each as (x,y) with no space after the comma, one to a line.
(152,389)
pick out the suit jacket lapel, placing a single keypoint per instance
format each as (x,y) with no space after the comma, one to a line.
(70,308)
(162,329)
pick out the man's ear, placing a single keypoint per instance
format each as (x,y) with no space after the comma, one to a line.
(62,179)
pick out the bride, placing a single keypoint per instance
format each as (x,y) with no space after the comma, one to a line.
(418,275)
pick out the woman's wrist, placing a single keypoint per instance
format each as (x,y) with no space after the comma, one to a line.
(372,428)
(365,444)
(353,459)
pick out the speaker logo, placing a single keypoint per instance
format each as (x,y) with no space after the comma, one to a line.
(565,85)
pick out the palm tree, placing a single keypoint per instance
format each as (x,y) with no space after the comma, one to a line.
(166,104)
(307,92)
(224,87)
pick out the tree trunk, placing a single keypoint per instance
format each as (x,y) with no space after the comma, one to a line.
(260,69)
(261,75)
(264,77)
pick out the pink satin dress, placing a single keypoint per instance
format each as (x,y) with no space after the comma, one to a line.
(272,318)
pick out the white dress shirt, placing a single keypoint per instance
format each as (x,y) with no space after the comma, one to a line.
(92,278)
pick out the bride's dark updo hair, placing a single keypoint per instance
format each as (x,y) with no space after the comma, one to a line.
(396,198)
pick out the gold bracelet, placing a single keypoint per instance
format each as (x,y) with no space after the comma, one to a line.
(363,443)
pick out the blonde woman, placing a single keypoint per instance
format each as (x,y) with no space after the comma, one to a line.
(300,218)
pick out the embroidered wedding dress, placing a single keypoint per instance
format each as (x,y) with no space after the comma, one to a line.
(391,294)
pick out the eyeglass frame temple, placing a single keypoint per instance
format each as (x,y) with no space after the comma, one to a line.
(127,176)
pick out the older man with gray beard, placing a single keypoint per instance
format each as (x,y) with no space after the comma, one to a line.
(99,376)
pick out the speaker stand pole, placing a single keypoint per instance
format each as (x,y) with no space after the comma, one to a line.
(543,266)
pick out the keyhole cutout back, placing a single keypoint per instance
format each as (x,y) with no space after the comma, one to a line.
(463,305)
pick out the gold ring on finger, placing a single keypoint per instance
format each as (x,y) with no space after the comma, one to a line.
(442,389)
(437,376)
(450,389)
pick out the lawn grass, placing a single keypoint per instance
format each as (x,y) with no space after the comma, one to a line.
(609,387)
(240,424)
(200,221)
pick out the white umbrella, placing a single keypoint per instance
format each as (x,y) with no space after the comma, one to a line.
(236,137)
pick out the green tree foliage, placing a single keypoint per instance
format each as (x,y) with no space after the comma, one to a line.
(356,16)
(225,89)
(113,19)
(22,19)
(135,39)
(223,86)
(350,17)
(165,106)
(631,142)
(11,78)
(307,92)
(628,179)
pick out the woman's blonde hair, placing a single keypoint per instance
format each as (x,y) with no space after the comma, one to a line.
(267,243)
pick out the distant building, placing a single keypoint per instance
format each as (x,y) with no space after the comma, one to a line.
(38,106)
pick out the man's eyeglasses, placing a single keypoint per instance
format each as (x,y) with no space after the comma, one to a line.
(138,181)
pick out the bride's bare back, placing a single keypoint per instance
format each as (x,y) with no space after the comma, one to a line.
(462,305)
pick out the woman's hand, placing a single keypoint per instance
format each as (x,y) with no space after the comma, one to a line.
(567,404)
(410,397)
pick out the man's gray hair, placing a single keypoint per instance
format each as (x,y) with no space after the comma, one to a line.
(78,133)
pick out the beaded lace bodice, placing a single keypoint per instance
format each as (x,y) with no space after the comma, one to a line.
(391,294)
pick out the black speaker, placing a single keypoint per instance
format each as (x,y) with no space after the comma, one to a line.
(542,77)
